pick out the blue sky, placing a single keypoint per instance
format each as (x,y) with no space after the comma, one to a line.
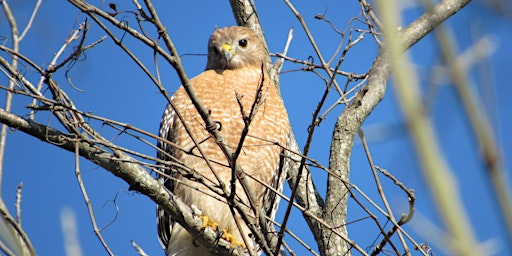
(111,85)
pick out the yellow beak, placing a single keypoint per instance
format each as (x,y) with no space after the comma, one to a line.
(227,50)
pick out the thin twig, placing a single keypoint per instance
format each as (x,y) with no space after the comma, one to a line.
(382,196)
(259,99)
(434,166)
(5,249)
(139,250)
(51,68)
(410,195)
(14,65)
(325,66)
(278,64)
(311,66)
(78,174)
(480,125)
(370,17)
(313,124)
(18,203)
(31,20)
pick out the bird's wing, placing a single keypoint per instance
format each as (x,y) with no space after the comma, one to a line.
(164,221)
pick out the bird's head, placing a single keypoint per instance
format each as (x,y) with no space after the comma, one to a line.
(233,48)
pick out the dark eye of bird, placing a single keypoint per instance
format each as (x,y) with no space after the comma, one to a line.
(242,43)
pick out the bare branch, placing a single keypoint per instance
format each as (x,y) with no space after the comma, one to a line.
(324,64)
(368,97)
(18,203)
(433,164)
(14,64)
(123,167)
(384,200)
(138,249)
(278,65)
(22,242)
(78,174)
(480,124)
(31,20)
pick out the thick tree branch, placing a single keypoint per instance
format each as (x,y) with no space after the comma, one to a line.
(126,168)
(480,124)
(435,169)
(352,117)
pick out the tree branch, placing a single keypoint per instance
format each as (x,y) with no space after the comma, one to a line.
(352,117)
(126,168)
(307,195)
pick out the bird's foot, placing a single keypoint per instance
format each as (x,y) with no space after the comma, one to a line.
(232,239)
(207,222)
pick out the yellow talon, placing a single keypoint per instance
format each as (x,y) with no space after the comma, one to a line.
(230,238)
(208,222)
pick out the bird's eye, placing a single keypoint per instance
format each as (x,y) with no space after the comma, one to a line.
(242,43)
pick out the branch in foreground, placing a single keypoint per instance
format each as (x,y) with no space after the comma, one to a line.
(126,168)
(368,97)
(434,167)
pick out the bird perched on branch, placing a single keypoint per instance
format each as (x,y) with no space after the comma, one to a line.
(251,118)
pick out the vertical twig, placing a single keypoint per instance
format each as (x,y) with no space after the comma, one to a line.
(439,176)
(31,20)
(278,65)
(78,174)
(18,203)
(23,242)
(480,124)
(138,249)
(384,199)
(8,98)
(313,44)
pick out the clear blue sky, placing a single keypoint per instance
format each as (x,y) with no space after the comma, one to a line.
(112,86)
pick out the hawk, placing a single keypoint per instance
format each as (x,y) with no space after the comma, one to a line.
(235,80)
